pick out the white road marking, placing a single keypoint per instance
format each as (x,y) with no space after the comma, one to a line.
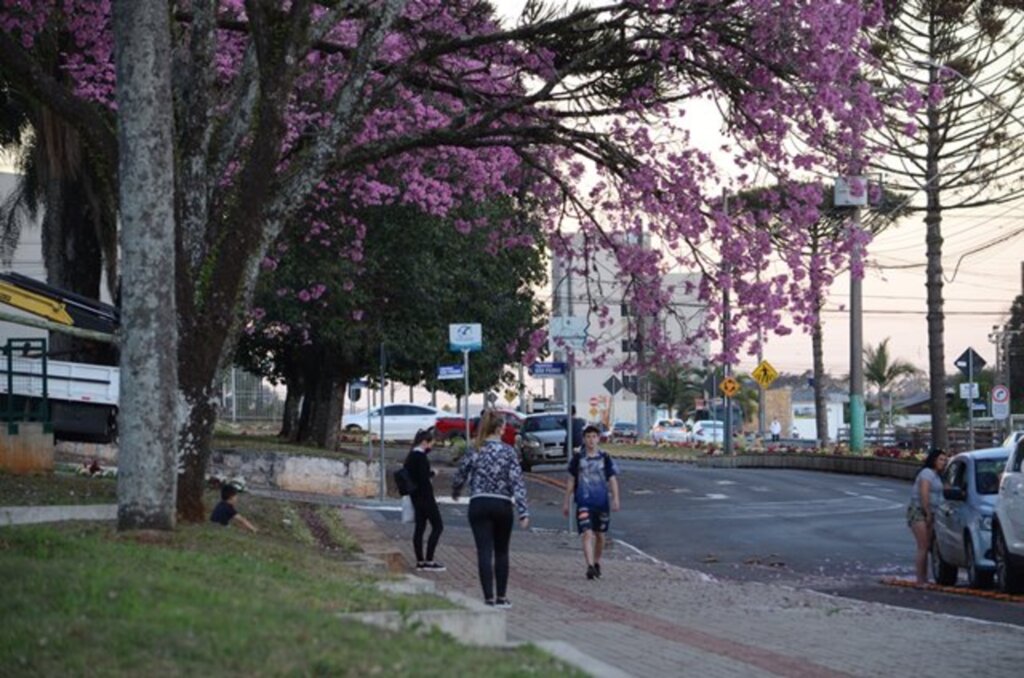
(725,482)
(679,490)
(641,491)
(714,496)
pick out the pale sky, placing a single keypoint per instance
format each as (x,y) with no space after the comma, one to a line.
(977,297)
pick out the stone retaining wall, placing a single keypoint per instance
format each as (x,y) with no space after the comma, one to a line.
(292,472)
(868,466)
(297,473)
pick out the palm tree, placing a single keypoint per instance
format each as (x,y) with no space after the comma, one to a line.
(884,372)
(677,388)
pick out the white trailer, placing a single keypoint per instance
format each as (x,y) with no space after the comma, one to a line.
(82,397)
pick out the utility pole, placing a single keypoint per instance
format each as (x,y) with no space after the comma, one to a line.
(857,412)
(726,321)
(642,423)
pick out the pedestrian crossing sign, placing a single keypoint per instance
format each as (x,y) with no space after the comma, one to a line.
(764,374)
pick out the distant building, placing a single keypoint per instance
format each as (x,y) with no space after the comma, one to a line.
(804,414)
(27,259)
(573,293)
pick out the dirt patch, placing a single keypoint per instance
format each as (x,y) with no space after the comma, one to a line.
(318,528)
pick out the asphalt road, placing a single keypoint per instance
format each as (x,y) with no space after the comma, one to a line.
(835,533)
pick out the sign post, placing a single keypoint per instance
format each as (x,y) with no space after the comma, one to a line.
(465,337)
(970,363)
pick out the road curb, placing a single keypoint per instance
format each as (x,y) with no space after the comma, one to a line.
(33,515)
(828,463)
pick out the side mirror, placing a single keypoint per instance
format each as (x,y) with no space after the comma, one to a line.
(954,494)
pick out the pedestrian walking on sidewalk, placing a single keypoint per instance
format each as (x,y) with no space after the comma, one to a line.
(495,483)
(423,502)
(776,430)
(924,500)
(594,484)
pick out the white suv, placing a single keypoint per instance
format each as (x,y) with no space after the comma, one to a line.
(1008,525)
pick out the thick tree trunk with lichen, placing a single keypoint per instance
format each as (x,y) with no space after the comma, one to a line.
(149,356)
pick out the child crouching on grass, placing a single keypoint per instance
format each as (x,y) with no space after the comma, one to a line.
(225,511)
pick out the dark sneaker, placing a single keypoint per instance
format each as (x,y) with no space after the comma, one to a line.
(434,566)
(489,601)
(591,572)
(503,603)
(597,570)
(421,566)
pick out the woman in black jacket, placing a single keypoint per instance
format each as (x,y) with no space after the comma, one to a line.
(424,503)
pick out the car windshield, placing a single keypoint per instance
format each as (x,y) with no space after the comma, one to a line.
(986,475)
(550,422)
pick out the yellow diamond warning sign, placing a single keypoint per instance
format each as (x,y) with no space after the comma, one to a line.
(730,387)
(764,374)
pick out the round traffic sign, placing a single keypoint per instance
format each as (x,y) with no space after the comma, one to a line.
(1000,394)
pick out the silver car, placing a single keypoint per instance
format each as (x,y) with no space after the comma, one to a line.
(963,521)
(541,439)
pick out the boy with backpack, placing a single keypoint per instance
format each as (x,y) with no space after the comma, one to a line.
(594,484)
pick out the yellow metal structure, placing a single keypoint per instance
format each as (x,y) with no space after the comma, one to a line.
(29,301)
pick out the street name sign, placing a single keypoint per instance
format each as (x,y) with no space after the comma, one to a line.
(544,370)
(449,372)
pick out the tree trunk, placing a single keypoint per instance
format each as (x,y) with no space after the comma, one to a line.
(933,284)
(149,354)
(195,435)
(292,400)
(820,411)
(322,408)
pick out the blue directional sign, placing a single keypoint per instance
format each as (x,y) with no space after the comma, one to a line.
(449,372)
(547,370)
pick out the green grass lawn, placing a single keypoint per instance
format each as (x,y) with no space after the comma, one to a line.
(56,489)
(83,599)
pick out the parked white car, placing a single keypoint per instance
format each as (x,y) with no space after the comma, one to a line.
(669,431)
(708,431)
(401,420)
(1008,525)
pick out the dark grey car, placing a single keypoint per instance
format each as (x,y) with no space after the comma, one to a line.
(541,439)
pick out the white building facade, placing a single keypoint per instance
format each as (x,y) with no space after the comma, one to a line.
(602,390)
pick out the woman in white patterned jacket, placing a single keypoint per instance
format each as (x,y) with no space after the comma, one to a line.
(495,484)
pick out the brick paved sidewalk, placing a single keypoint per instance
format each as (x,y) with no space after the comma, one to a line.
(652,619)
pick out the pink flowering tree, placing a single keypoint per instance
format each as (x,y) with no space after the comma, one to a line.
(435,103)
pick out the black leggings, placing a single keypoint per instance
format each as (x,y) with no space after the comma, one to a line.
(426,510)
(491,520)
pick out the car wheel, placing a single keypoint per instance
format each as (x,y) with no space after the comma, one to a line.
(976,579)
(353,428)
(942,572)
(1008,579)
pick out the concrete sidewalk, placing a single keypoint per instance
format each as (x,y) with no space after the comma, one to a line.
(648,618)
(30,515)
